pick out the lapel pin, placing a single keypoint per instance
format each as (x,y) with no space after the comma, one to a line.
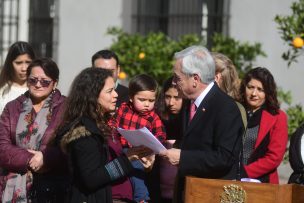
(203,109)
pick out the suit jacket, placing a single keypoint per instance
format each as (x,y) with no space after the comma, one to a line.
(269,148)
(295,156)
(212,140)
(123,94)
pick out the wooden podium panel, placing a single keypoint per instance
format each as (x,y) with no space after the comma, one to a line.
(199,190)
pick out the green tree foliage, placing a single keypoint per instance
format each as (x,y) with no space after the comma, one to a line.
(295,112)
(295,117)
(242,54)
(153,53)
(290,27)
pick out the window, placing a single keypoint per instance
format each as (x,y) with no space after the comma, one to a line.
(39,25)
(42,23)
(179,17)
(9,17)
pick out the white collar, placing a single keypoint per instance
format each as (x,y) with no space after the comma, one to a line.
(116,83)
(201,97)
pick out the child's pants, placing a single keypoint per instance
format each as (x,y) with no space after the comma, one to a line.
(140,190)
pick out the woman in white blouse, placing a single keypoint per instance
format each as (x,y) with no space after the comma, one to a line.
(13,72)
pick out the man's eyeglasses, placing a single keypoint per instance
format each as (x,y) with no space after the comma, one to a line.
(43,82)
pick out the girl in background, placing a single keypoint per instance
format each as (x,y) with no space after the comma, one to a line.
(13,72)
(169,107)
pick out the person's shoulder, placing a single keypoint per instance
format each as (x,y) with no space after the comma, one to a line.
(74,135)
(81,128)
(2,90)
(221,98)
(154,114)
(215,91)
(125,107)
(58,98)
(122,88)
(280,114)
(152,117)
(299,132)
(16,102)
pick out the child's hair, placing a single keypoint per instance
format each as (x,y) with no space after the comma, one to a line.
(142,82)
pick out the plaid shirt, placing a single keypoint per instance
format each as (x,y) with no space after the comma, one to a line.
(127,118)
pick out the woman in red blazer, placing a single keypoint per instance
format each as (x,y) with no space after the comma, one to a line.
(266,137)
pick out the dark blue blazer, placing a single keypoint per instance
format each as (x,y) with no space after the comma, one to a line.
(212,140)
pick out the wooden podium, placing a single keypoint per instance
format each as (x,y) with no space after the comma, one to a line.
(199,190)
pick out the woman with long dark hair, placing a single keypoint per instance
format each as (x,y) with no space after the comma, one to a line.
(99,169)
(266,136)
(13,72)
(169,107)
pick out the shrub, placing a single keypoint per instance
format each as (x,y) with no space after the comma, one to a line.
(153,53)
(291,29)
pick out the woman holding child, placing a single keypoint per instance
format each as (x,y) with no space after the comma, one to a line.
(99,169)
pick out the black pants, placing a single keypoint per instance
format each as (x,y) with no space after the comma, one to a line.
(49,189)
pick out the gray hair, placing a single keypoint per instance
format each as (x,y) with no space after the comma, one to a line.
(197,60)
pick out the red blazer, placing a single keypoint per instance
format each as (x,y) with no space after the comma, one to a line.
(276,125)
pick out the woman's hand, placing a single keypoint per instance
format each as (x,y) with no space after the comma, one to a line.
(36,161)
(135,153)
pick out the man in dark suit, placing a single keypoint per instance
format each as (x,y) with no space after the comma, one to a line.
(109,60)
(212,137)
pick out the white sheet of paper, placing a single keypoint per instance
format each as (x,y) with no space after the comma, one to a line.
(142,137)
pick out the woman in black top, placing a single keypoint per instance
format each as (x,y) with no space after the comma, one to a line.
(296,151)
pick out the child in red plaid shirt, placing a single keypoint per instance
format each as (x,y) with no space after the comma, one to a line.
(137,113)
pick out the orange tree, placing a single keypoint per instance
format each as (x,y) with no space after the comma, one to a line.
(291,29)
(153,53)
(243,54)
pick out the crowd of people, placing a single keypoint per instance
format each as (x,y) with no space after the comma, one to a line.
(56,148)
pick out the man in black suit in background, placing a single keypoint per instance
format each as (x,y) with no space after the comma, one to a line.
(109,60)
(212,137)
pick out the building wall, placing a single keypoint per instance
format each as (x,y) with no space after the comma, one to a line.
(253,21)
(82,32)
(23,20)
(82,28)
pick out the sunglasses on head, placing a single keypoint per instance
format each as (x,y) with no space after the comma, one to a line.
(43,82)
